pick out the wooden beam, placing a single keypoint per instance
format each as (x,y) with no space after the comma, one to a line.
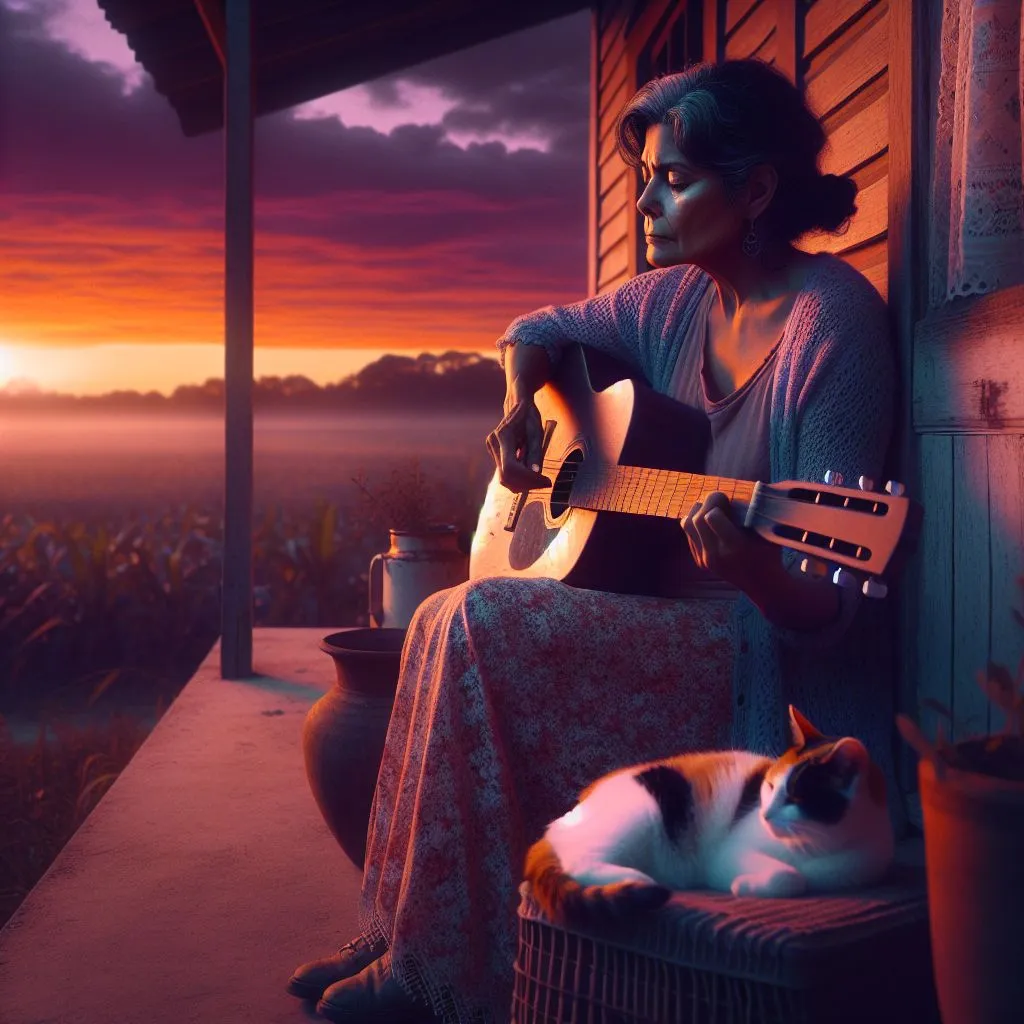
(908,170)
(236,589)
(212,14)
(714,29)
(788,33)
(593,203)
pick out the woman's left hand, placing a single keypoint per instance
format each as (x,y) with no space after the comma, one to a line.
(737,555)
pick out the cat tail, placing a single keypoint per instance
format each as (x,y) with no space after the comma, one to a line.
(566,901)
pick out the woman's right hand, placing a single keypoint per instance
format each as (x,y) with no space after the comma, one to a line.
(515,444)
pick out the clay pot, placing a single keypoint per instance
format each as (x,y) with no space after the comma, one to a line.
(344,732)
(974,855)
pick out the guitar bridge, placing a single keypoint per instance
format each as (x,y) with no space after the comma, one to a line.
(519,501)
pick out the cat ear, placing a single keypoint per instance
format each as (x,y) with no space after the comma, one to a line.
(848,757)
(802,730)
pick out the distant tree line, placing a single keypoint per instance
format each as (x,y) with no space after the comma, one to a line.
(454,381)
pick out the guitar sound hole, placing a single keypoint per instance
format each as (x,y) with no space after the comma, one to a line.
(562,487)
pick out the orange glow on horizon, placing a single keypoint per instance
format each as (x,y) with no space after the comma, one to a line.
(90,279)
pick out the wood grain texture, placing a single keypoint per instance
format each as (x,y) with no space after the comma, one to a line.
(612,283)
(968,364)
(850,62)
(713,29)
(768,49)
(743,41)
(971,609)
(615,194)
(1006,540)
(593,177)
(613,263)
(737,10)
(872,260)
(788,59)
(614,230)
(907,84)
(860,138)
(826,18)
(933,579)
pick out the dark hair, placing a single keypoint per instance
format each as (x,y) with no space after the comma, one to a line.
(727,118)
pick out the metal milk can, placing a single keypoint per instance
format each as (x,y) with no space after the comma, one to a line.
(418,563)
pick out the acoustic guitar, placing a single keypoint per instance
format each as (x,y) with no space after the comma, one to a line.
(624,465)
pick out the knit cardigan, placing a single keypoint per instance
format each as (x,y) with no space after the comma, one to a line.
(832,403)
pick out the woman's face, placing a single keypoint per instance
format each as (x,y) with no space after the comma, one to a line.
(688,215)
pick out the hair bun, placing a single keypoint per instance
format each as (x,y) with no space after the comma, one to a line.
(832,199)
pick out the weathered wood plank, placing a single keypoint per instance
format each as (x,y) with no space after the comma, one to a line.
(768,49)
(869,222)
(614,193)
(971,597)
(858,139)
(828,17)
(849,63)
(872,261)
(787,58)
(612,19)
(613,283)
(613,55)
(593,179)
(713,29)
(618,73)
(610,164)
(1006,539)
(614,263)
(613,231)
(611,103)
(751,33)
(737,10)
(968,365)
(934,579)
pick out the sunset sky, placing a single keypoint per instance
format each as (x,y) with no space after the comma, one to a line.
(421,212)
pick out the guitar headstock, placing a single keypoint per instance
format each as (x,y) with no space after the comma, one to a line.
(856,535)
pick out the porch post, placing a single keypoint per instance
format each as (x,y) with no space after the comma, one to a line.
(236,581)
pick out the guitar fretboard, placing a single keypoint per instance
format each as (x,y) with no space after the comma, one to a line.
(651,492)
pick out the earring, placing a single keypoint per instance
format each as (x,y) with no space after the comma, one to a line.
(751,243)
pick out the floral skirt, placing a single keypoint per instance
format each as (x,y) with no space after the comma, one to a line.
(513,695)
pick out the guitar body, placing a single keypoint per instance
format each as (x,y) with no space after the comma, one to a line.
(626,424)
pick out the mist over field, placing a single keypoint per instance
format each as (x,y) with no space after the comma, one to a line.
(103,463)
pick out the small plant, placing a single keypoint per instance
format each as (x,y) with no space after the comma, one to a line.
(408,500)
(1000,755)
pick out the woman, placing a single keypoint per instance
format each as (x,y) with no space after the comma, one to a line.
(514,694)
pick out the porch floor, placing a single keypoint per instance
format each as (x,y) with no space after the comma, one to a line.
(205,874)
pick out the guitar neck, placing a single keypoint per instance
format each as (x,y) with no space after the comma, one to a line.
(653,492)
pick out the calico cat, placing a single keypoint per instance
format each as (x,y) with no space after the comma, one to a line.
(813,820)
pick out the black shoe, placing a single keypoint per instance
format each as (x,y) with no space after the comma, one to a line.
(311,980)
(372,997)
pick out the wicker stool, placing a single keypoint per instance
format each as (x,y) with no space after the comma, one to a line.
(711,958)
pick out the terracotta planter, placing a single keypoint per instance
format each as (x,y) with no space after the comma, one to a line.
(974,853)
(344,732)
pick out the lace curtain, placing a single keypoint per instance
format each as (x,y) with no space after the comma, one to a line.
(977,222)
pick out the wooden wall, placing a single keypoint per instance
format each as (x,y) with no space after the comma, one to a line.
(838,49)
(868,69)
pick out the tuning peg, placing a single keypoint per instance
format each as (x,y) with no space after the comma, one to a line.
(814,567)
(833,478)
(844,578)
(865,483)
(895,488)
(874,587)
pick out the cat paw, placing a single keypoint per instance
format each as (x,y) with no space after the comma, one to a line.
(779,883)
